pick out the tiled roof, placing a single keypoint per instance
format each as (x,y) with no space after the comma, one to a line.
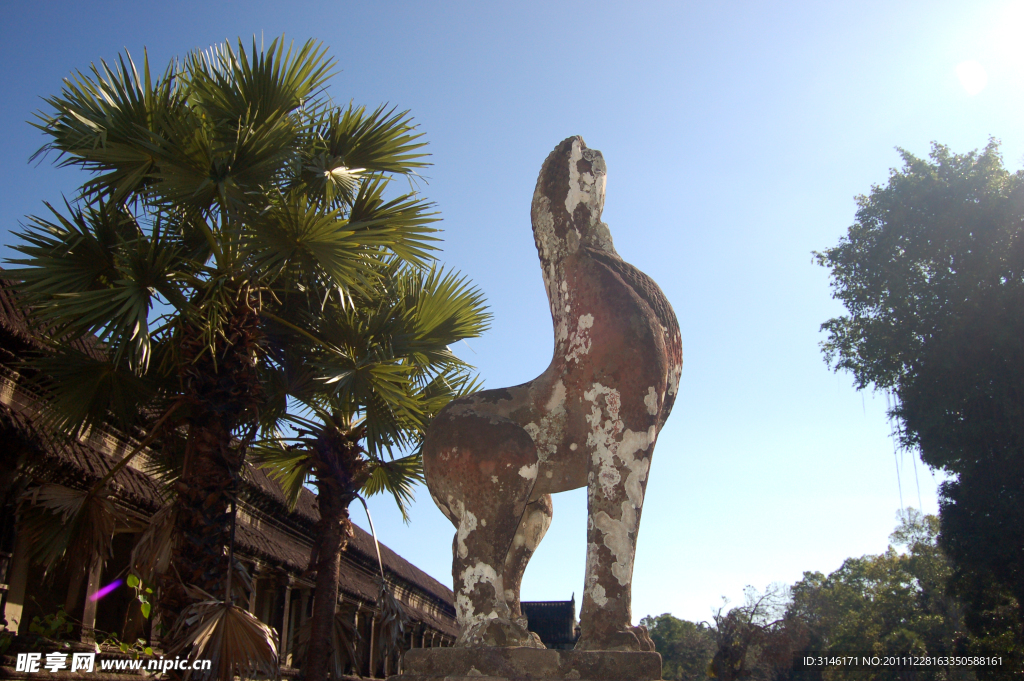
(82,463)
(14,323)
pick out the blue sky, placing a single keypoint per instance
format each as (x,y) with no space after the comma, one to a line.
(736,137)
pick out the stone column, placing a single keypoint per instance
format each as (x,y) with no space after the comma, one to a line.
(17,578)
(284,643)
(362,666)
(92,585)
(373,646)
(251,604)
(303,607)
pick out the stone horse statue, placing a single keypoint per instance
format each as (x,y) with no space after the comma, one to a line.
(493,459)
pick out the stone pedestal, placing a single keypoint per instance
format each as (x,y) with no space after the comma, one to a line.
(527,664)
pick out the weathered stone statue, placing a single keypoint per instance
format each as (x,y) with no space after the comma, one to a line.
(493,459)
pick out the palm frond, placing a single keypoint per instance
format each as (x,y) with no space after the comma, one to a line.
(392,621)
(441,387)
(347,147)
(95,273)
(442,310)
(82,392)
(151,555)
(380,391)
(344,639)
(295,232)
(232,639)
(259,85)
(101,122)
(63,522)
(397,477)
(289,467)
(68,255)
(401,225)
(382,141)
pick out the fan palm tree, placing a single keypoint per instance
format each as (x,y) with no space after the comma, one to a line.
(369,371)
(214,187)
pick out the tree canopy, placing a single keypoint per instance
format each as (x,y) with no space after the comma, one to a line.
(686,647)
(932,276)
(894,603)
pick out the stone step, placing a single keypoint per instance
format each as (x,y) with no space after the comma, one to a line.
(527,664)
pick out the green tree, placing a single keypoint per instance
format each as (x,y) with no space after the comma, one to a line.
(932,275)
(215,188)
(369,372)
(686,647)
(894,603)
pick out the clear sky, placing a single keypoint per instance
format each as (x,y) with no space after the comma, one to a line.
(736,137)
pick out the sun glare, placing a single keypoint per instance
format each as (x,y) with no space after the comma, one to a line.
(1008,36)
(972,76)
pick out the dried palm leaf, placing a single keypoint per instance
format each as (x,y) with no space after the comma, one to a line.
(344,640)
(392,621)
(235,642)
(66,522)
(152,553)
(241,584)
(392,617)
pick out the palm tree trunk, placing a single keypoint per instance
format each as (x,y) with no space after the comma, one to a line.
(341,472)
(221,386)
(333,532)
(203,519)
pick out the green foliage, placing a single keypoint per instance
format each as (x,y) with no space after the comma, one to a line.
(686,648)
(136,649)
(55,626)
(376,362)
(237,244)
(203,187)
(894,603)
(932,275)
(143,593)
(937,237)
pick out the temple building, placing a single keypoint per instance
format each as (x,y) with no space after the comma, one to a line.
(272,542)
(554,621)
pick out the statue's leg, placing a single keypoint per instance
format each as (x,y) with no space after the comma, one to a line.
(531,530)
(617,481)
(483,471)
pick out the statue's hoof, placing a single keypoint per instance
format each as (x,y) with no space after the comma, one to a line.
(642,635)
(498,633)
(628,640)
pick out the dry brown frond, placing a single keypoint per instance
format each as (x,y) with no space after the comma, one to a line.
(152,553)
(343,644)
(235,642)
(64,523)
(392,621)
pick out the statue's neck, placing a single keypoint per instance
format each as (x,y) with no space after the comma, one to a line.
(559,260)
